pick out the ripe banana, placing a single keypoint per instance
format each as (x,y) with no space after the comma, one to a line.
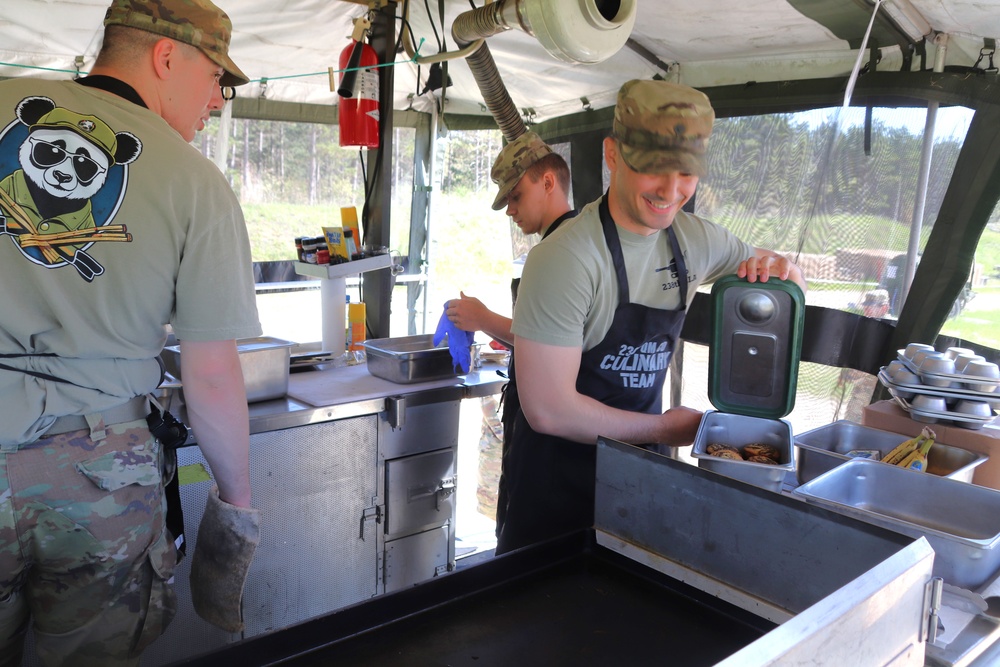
(917,460)
(904,449)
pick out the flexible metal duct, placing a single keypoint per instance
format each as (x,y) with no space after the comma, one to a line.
(479,24)
(573,31)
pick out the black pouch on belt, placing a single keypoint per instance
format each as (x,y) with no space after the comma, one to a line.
(171,433)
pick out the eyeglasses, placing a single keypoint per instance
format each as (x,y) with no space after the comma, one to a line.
(45,155)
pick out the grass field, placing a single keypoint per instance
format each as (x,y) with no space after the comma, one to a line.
(980,321)
(471,251)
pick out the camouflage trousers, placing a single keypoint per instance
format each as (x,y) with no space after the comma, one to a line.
(84,553)
(490,455)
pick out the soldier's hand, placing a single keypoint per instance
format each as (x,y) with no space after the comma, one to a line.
(467,312)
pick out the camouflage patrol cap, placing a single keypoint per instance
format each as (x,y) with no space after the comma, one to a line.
(514,160)
(196,22)
(663,127)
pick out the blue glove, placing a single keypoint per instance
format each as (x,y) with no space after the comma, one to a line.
(459,341)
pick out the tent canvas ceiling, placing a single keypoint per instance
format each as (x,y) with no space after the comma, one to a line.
(286,46)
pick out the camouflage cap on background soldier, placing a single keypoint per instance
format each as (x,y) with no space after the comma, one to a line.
(514,160)
(663,126)
(196,22)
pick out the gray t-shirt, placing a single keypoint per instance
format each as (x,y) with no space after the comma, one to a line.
(160,239)
(569,292)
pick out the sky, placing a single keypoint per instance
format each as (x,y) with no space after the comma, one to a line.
(950,122)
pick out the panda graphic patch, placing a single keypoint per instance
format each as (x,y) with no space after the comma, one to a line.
(63,180)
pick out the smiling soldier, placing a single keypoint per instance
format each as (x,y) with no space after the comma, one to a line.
(601,305)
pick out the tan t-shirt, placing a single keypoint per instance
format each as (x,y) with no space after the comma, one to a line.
(569,292)
(95,314)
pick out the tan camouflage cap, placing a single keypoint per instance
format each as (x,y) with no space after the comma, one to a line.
(663,127)
(196,22)
(514,160)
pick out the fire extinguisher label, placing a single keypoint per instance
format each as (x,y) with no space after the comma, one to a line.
(373,114)
(367,85)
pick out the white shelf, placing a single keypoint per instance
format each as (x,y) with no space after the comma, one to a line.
(343,269)
(333,293)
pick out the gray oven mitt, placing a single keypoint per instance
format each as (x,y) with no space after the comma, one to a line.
(227,538)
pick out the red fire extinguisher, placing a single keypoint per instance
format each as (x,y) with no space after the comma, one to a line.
(358,91)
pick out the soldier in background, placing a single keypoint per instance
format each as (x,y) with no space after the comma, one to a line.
(534,183)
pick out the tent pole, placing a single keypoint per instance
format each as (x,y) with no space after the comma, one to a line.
(433,181)
(923,175)
(222,136)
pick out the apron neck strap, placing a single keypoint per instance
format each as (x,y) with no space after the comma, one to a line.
(682,274)
(112,85)
(615,246)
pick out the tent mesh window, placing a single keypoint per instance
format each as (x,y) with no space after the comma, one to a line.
(810,186)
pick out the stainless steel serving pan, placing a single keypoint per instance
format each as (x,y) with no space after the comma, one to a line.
(264,360)
(409,359)
(826,447)
(740,430)
(961,521)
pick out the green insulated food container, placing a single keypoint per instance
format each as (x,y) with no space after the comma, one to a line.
(756,342)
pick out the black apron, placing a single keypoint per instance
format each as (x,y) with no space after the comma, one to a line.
(509,402)
(547,482)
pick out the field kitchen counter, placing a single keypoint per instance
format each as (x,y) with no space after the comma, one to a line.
(355,477)
(349,391)
(681,577)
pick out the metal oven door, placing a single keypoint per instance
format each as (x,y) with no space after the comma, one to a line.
(419,492)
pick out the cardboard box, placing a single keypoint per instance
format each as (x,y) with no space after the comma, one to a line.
(889,416)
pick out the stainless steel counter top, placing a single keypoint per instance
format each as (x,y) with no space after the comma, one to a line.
(351,391)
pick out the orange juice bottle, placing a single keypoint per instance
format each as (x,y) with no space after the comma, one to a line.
(355,326)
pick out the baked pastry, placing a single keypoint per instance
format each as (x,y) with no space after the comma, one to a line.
(760,449)
(714,447)
(762,459)
(732,454)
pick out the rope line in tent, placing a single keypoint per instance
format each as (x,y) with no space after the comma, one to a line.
(77,72)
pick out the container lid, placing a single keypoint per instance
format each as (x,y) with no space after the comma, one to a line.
(756,343)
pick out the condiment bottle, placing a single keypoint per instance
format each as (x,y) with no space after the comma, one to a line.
(309,250)
(352,249)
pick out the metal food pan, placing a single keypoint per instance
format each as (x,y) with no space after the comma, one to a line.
(264,361)
(739,430)
(826,447)
(409,359)
(961,521)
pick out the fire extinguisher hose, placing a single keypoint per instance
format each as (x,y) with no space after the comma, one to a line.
(350,78)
